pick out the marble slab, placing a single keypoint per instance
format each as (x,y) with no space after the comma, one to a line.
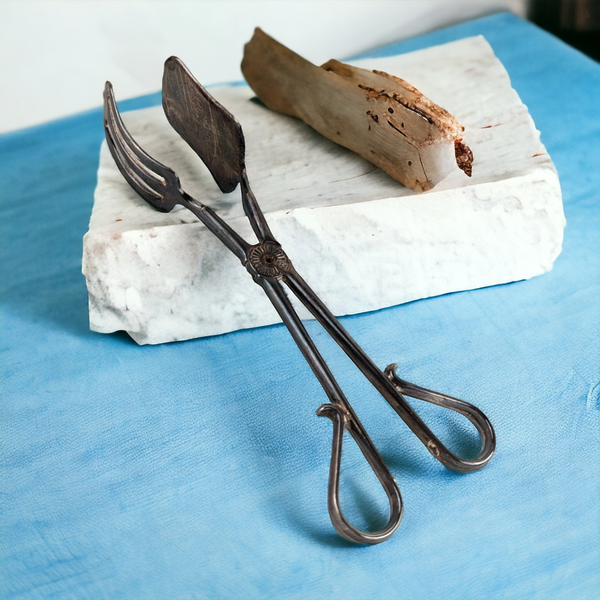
(360,239)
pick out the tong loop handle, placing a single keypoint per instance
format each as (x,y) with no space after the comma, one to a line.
(341,524)
(392,387)
(431,442)
(343,417)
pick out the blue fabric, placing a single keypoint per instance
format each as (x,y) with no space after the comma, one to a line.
(199,469)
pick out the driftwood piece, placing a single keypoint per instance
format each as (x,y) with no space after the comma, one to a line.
(381,117)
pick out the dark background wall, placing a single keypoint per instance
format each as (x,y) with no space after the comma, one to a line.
(576,22)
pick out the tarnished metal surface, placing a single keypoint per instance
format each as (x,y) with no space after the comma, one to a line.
(217,138)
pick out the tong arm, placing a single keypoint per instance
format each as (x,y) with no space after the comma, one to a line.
(253,211)
(217,226)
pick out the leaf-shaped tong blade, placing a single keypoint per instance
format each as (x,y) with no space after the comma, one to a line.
(209,128)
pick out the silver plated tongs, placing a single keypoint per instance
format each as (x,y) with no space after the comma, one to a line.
(217,138)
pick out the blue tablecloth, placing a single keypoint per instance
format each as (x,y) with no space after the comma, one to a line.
(199,469)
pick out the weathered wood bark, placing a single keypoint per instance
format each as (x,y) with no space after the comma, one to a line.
(381,117)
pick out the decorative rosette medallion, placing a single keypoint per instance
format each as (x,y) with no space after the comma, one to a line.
(269,260)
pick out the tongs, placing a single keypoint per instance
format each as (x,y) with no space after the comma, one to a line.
(217,138)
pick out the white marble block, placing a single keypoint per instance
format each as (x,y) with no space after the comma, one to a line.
(359,238)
